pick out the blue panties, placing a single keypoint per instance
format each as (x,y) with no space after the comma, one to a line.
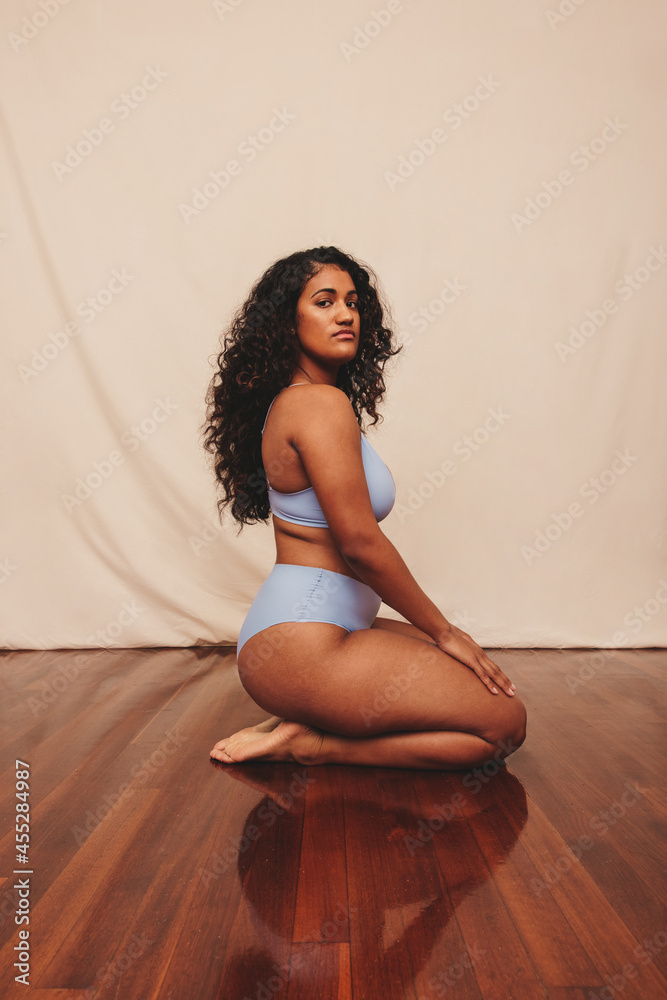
(293,593)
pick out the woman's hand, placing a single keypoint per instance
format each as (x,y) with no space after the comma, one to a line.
(462,647)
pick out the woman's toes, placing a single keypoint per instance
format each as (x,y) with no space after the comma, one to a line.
(278,743)
(219,750)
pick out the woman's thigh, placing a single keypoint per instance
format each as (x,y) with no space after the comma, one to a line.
(371,681)
(405,628)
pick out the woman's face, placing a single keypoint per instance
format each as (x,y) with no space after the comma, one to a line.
(327,316)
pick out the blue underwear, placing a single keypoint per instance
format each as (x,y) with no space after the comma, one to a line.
(293,593)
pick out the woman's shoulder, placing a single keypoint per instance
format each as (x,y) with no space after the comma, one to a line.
(324,394)
(317,402)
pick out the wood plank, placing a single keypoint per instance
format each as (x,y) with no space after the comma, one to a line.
(230,891)
(246,891)
(618,825)
(321,971)
(380,967)
(322,877)
(579,897)
(47,994)
(548,937)
(570,993)
(651,662)
(62,907)
(75,785)
(501,964)
(432,938)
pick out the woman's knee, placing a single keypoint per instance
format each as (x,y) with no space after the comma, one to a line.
(353,722)
(518,734)
(509,730)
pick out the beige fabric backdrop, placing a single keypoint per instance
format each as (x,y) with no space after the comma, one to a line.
(500,165)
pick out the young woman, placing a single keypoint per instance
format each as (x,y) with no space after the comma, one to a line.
(301,363)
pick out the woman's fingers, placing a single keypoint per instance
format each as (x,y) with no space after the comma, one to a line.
(500,678)
(463,648)
(478,669)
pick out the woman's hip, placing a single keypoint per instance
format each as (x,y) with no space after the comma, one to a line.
(294,593)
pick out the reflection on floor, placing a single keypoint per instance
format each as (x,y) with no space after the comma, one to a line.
(156,874)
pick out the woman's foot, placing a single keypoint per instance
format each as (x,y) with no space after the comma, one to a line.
(268,725)
(284,741)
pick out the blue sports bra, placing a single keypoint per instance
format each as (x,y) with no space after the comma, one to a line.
(302,507)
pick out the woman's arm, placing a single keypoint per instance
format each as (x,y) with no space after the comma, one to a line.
(379,564)
(327,437)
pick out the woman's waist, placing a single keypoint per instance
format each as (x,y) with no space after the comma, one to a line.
(314,555)
(289,578)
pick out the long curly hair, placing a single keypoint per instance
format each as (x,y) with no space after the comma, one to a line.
(258,359)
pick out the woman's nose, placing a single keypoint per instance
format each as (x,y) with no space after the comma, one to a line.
(344,314)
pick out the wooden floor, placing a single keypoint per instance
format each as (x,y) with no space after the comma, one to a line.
(157,874)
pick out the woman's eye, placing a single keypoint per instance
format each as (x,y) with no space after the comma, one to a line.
(327,302)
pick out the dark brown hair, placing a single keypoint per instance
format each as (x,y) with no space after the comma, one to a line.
(258,358)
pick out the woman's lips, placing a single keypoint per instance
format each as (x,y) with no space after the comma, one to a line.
(345,334)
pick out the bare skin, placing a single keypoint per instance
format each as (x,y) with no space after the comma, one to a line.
(414,694)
